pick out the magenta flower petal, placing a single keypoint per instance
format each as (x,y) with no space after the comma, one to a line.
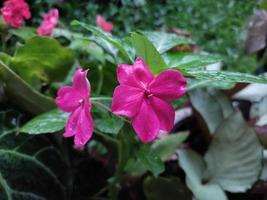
(136,75)
(146,123)
(125,74)
(14,12)
(127,100)
(49,22)
(75,99)
(81,84)
(142,72)
(71,125)
(102,23)
(169,85)
(165,113)
(68,99)
(84,127)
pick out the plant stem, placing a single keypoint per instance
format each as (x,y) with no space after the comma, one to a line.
(101,79)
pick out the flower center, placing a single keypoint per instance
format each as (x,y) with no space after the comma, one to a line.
(148,94)
(81,101)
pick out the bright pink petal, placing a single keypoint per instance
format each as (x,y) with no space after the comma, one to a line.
(142,72)
(102,23)
(125,75)
(136,75)
(164,111)
(84,127)
(71,125)
(126,100)
(81,83)
(68,99)
(169,84)
(146,123)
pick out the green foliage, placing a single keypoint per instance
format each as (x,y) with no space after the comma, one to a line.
(165,41)
(193,165)
(190,60)
(213,106)
(42,58)
(116,42)
(23,159)
(238,145)
(48,122)
(165,147)
(232,162)
(145,49)
(150,161)
(21,94)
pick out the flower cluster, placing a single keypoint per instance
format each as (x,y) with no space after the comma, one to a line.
(102,23)
(75,99)
(141,96)
(14,12)
(49,23)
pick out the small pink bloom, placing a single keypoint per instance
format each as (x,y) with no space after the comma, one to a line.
(14,12)
(102,23)
(49,23)
(146,98)
(75,99)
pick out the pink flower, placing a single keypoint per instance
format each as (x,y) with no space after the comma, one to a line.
(49,23)
(102,23)
(75,99)
(14,12)
(146,98)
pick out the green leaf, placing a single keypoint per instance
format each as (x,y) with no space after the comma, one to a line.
(194,165)
(24,32)
(110,124)
(31,168)
(145,49)
(48,122)
(194,84)
(234,157)
(124,49)
(220,76)
(44,55)
(165,41)
(213,106)
(166,147)
(150,161)
(190,60)
(165,188)
(21,94)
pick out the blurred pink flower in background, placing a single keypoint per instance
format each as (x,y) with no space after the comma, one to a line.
(145,98)
(102,23)
(49,23)
(14,12)
(75,99)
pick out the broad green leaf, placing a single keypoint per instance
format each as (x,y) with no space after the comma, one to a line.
(213,106)
(194,84)
(145,49)
(165,41)
(219,76)
(190,60)
(48,122)
(234,157)
(110,124)
(43,54)
(150,161)
(124,49)
(31,168)
(166,147)
(165,188)
(194,165)
(21,94)
(24,32)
